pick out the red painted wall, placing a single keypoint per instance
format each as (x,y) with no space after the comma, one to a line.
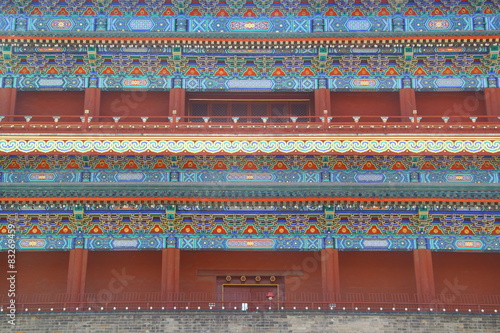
(4,284)
(51,103)
(246,263)
(359,104)
(459,106)
(41,272)
(123,272)
(376,272)
(466,273)
(134,104)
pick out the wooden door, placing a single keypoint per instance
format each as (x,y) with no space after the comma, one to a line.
(250,297)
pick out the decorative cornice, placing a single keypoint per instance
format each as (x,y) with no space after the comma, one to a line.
(264,30)
(276,242)
(257,38)
(216,8)
(250,145)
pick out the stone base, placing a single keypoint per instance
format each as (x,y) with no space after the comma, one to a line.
(236,322)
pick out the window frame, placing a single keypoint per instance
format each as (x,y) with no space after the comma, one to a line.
(249,102)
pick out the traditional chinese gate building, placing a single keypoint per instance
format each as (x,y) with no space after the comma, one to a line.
(335,154)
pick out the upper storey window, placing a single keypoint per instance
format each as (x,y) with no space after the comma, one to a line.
(223,108)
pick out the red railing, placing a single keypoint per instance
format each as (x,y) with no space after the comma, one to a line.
(249,125)
(487,304)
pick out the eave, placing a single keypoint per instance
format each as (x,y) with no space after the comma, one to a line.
(282,194)
(251,38)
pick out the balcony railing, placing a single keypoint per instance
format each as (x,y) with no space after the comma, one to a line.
(248,125)
(399,302)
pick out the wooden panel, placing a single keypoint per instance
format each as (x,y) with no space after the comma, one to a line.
(51,103)
(7,101)
(370,106)
(492,101)
(459,106)
(134,104)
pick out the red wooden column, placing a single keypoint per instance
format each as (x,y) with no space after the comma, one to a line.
(322,102)
(407,102)
(177,102)
(492,99)
(93,101)
(7,102)
(77,272)
(424,276)
(330,273)
(170,261)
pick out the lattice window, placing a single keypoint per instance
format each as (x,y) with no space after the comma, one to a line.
(275,110)
(300,110)
(199,111)
(239,110)
(258,110)
(220,110)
